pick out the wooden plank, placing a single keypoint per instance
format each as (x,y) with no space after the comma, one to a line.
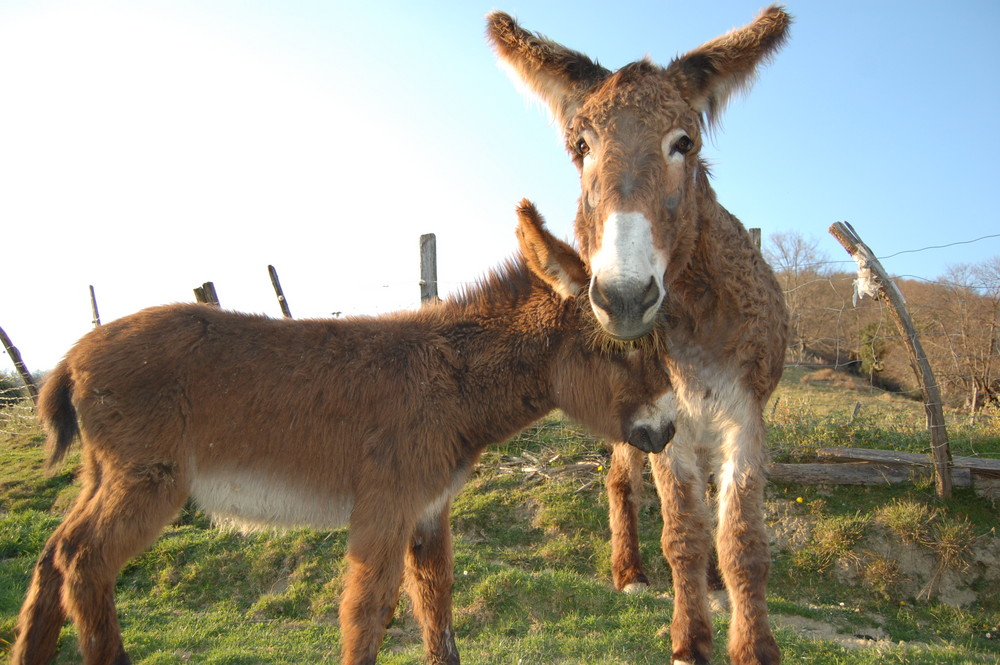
(841,454)
(856,474)
(93,308)
(988,487)
(206,294)
(285,311)
(428,269)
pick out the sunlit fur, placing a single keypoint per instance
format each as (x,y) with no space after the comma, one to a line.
(600,342)
(375,421)
(636,136)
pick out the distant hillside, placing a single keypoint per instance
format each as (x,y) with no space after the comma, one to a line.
(958,323)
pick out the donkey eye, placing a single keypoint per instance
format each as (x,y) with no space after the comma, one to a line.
(581,148)
(683,145)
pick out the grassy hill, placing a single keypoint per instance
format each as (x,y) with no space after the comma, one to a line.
(861,575)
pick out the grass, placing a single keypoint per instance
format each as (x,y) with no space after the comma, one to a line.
(532,561)
(813,409)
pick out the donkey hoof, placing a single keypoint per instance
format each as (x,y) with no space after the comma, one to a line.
(635,588)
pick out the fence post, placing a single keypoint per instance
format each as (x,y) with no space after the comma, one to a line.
(278,292)
(206,294)
(93,308)
(428,268)
(19,365)
(872,280)
(755,236)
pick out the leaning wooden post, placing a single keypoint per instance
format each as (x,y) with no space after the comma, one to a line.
(206,294)
(428,268)
(93,308)
(19,365)
(873,280)
(278,292)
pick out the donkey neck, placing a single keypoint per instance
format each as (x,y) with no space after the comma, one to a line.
(726,299)
(503,335)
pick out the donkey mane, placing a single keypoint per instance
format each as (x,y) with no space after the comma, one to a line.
(506,285)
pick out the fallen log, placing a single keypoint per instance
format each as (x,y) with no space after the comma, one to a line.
(865,473)
(987,467)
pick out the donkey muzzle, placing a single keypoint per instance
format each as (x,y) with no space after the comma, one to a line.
(649,439)
(626,309)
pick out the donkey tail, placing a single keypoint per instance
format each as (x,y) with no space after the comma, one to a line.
(57,413)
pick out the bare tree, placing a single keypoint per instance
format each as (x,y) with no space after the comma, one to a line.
(803,271)
(965,314)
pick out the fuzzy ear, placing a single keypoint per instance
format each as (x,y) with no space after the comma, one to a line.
(554,261)
(710,74)
(555,73)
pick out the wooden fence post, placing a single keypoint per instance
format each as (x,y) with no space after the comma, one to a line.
(19,365)
(428,268)
(206,294)
(755,236)
(872,280)
(93,308)
(277,290)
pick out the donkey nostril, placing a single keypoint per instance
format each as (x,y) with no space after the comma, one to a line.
(640,438)
(651,296)
(598,298)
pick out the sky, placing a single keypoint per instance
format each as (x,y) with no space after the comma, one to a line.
(147,147)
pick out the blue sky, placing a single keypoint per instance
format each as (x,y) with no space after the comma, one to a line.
(147,147)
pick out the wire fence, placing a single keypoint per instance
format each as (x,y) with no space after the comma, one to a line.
(845,366)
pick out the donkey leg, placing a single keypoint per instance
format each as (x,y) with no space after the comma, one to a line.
(42,613)
(126,514)
(624,485)
(375,554)
(430,575)
(743,551)
(687,545)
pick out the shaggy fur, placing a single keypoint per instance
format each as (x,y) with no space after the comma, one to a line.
(375,422)
(635,135)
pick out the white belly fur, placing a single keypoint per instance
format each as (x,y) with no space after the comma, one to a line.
(253,501)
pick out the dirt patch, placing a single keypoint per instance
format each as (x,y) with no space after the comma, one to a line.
(882,562)
(858,638)
(832,378)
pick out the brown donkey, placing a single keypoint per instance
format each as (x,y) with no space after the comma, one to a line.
(660,248)
(373,422)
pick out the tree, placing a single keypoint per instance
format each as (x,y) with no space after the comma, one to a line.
(966,322)
(804,273)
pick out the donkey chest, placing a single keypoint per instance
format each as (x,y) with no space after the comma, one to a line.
(711,397)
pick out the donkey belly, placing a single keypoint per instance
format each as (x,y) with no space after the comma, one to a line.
(255,499)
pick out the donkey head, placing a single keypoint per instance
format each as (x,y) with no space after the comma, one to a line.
(637,385)
(635,136)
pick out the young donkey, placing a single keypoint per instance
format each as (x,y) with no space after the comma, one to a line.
(375,422)
(660,248)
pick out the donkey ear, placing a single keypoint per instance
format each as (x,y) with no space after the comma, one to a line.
(554,261)
(711,73)
(555,73)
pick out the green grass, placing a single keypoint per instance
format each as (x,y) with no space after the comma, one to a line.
(814,409)
(532,561)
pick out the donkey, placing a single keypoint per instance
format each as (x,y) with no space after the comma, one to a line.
(662,251)
(375,422)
